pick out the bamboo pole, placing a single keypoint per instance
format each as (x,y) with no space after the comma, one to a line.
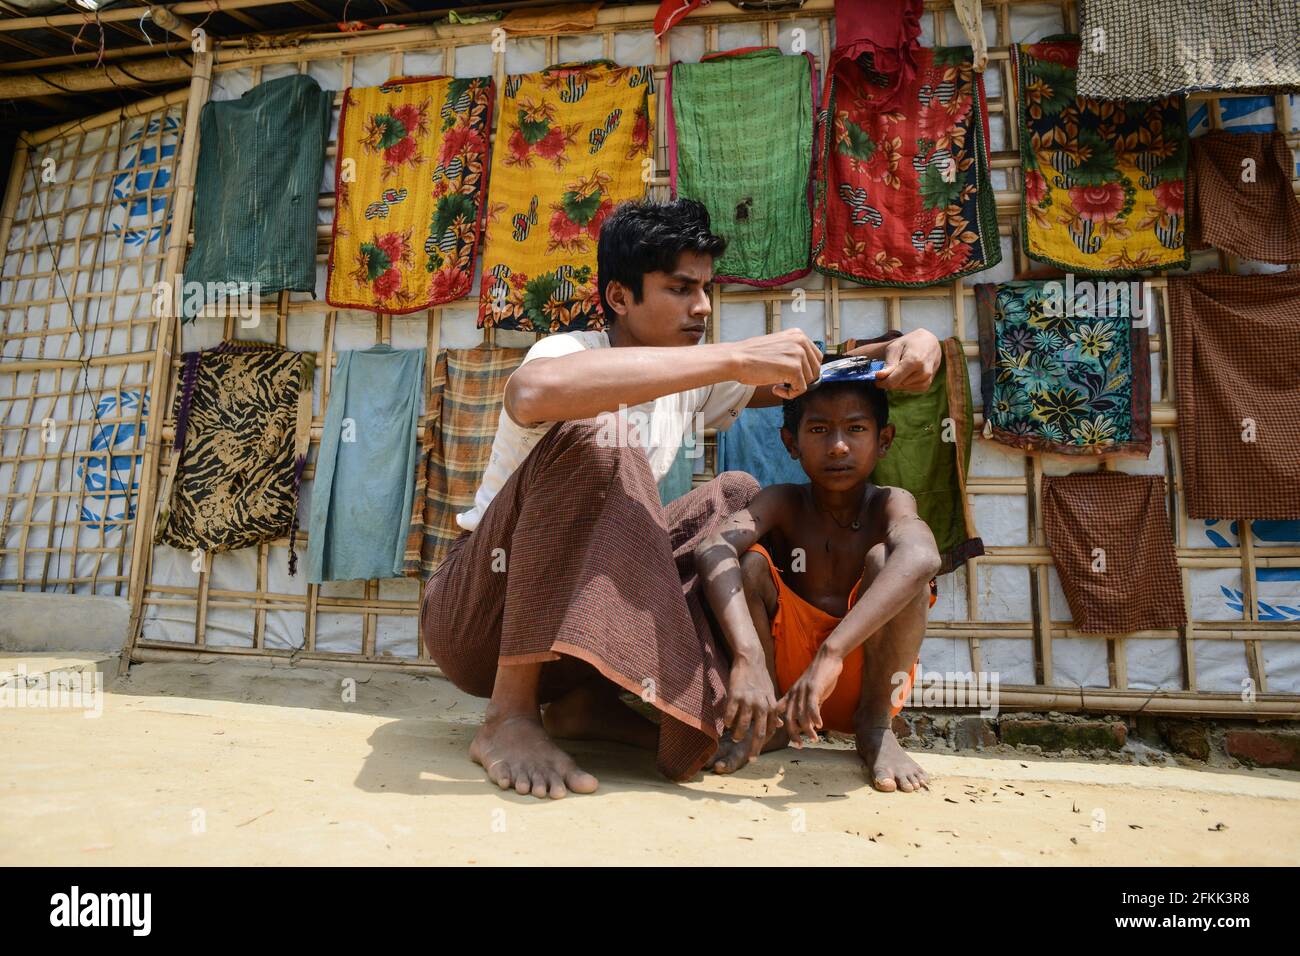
(182,207)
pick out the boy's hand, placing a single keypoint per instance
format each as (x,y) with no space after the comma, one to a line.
(803,701)
(786,360)
(751,704)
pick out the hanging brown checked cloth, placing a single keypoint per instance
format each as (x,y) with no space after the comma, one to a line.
(1246,208)
(1111,542)
(464,408)
(1236,345)
(243,423)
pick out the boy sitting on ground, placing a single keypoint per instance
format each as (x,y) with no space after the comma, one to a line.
(831,613)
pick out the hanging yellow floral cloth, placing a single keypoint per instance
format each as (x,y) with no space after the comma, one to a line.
(1103,180)
(572,143)
(409,186)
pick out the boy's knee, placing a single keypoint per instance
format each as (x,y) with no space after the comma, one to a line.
(874,563)
(738,489)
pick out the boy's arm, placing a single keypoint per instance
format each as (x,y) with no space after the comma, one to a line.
(751,699)
(584,384)
(911,559)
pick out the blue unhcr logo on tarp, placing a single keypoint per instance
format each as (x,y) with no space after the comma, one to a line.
(108,502)
(139,216)
(1272,585)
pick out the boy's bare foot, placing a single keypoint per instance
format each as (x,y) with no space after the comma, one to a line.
(516,752)
(889,767)
(594,712)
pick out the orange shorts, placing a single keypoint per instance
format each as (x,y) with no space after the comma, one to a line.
(799,629)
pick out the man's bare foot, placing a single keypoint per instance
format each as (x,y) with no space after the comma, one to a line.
(733,754)
(593,711)
(516,752)
(889,767)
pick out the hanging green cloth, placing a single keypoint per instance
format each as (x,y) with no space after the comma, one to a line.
(749,165)
(261,163)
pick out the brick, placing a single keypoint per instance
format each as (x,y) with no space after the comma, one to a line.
(973,733)
(1055,736)
(1190,738)
(1264,748)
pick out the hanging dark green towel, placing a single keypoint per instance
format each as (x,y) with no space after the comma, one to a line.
(261,163)
(740,140)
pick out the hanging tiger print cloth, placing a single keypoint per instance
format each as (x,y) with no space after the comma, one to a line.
(573,141)
(243,423)
(409,187)
(1064,370)
(1103,180)
(464,409)
(903,195)
(751,168)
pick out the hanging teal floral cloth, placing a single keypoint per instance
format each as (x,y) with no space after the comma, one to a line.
(1066,368)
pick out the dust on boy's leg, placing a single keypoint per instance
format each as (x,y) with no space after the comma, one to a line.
(890,652)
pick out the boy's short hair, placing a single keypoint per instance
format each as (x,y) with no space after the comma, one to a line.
(793,408)
(641,237)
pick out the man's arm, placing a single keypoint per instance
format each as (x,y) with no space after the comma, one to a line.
(911,362)
(586,383)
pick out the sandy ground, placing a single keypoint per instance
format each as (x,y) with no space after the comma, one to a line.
(236,763)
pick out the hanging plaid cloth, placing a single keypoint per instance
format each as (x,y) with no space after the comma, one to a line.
(1103,181)
(1138,49)
(573,141)
(903,196)
(1239,196)
(1063,372)
(465,405)
(750,168)
(243,424)
(260,163)
(409,185)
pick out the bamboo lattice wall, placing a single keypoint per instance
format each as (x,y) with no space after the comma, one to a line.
(1004,611)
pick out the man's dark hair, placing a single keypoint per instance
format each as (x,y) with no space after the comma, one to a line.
(641,237)
(793,409)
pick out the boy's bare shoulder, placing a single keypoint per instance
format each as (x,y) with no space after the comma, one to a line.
(776,503)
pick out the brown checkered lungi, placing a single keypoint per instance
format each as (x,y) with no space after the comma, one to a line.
(1105,516)
(597,573)
(1259,219)
(1236,350)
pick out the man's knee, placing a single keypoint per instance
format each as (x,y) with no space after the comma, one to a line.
(597,442)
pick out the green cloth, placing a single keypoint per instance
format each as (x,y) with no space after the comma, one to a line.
(740,140)
(365,471)
(921,461)
(261,163)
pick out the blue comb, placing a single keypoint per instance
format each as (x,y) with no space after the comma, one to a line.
(854,368)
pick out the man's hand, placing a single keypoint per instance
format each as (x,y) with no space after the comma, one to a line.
(786,360)
(911,360)
(751,703)
(802,703)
